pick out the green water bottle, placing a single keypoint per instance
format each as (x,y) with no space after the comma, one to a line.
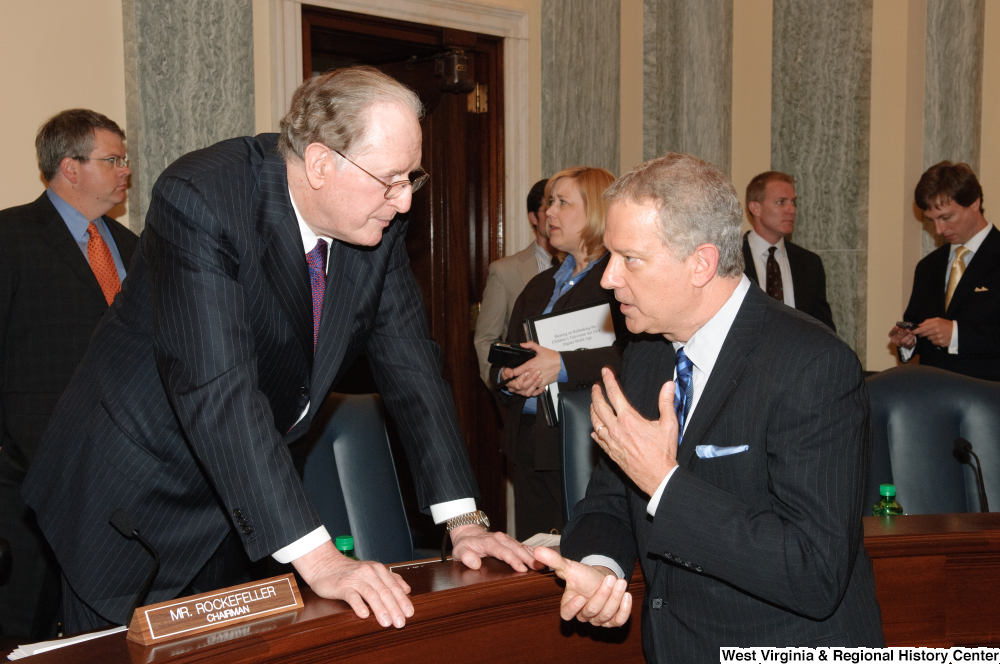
(887,505)
(345,544)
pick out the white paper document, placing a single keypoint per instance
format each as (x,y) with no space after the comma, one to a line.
(45,646)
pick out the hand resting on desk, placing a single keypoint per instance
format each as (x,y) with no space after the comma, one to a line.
(593,594)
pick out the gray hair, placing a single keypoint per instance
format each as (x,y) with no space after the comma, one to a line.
(333,109)
(697,205)
(69,134)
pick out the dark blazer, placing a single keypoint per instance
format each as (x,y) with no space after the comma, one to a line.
(808,280)
(759,548)
(975,305)
(188,396)
(50,303)
(583,367)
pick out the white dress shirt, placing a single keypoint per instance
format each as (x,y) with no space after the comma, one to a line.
(973,246)
(703,350)
(440,512)
(759,250)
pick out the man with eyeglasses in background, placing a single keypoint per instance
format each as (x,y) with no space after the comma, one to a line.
(267,265)
(62,260)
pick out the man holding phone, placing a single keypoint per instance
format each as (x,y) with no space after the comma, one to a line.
(953,318)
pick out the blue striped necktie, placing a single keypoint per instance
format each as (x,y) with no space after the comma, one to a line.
(683,391)
(316,259)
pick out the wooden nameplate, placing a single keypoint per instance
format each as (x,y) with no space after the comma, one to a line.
(187,616)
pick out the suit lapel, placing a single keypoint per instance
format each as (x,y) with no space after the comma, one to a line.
(799,283)
(64,245)
(528,266)
(729,369)
(749,267)
(284,260)
(984,259)
(348,270)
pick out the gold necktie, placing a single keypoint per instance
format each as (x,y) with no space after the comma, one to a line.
(957,270)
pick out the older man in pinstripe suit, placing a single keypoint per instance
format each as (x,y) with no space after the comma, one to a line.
(739,436)
(267,265)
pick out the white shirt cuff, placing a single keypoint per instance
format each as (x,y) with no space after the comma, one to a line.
(594,560)
(654,500)
(953,346)
(302,546)
(906,354)
(441,512)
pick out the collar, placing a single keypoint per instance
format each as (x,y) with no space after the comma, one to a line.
(759,246)
(974,242)
(309,239)
(541,253)
(74,219)
(705,344)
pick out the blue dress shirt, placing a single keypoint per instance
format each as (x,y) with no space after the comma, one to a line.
(77,225)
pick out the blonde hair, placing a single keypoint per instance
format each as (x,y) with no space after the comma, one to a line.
(591,183)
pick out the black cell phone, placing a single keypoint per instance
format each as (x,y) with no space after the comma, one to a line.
(509,355)
(906,325)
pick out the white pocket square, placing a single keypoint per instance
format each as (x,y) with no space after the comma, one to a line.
(713,451)
(981,289)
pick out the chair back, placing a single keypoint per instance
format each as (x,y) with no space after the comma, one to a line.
(917,413)
(579,451)
(350,476)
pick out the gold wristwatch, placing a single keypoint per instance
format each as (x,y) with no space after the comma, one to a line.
(468,518)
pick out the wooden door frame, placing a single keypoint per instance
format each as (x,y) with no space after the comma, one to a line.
(510,24)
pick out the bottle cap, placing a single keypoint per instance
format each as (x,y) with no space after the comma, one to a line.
(883,490)
(344,542)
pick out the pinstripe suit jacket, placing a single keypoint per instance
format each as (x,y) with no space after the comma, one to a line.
(760,548)
(184,404)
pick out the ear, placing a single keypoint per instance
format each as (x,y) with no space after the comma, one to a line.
(533,219)
(319,164)
(754,208)
(69,168)
(705,261)
(976,205)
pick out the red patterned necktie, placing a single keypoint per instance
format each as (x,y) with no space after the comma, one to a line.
(317,277)
(102,264)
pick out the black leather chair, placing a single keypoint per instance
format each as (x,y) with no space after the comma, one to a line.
(579,451)
(917,413)
(350,476)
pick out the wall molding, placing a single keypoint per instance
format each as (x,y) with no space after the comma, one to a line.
(510,24)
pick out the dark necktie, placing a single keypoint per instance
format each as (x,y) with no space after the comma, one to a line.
(102,263)
(683,391)
(317,277)
(774,287)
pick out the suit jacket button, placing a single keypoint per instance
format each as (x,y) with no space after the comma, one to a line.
(303,391)
(697,569)
(247,530)
(656,603)
(242,522)
(238,514)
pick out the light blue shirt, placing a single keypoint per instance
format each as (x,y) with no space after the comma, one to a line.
(77,225)
(565,280)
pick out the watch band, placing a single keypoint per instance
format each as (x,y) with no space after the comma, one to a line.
(468,518)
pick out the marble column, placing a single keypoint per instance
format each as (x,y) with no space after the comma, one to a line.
(188,83)
(953,88)
(821,86)
(581,46)
(688,79)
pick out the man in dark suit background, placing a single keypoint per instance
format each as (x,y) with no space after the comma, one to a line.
(955,301)
(50,302)
(739,438)
(267,265)
(785,271)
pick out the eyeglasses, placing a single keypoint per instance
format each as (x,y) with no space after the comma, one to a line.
(415,179)
(117,162)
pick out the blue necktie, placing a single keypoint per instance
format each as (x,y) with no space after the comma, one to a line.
(683,391)
(316,260)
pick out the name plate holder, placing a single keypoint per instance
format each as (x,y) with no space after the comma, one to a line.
(187,616)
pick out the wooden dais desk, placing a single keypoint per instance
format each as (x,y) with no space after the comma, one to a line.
(937,578)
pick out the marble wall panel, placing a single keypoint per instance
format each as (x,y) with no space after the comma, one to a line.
(189,83)
(688,79)
(953,88)
(820,106)
(581,46)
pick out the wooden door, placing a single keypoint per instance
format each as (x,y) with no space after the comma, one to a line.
(455,219)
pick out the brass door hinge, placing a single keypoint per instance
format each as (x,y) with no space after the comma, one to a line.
(477,99)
